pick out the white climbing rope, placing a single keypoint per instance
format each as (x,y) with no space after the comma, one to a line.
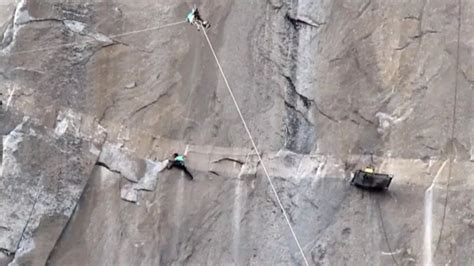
(147,29)
(12,92)
(255,146)
(94,41)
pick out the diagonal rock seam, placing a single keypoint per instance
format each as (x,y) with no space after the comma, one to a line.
(228,159)
(140,174)
(298,22)
(102,164)
(28,220)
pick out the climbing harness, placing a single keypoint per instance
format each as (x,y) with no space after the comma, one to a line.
(255,148)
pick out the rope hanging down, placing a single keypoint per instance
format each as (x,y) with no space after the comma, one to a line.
(255,146)
(93,41)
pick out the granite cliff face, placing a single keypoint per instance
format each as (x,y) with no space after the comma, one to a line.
(97,94)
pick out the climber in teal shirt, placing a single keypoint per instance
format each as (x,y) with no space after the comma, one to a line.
(178,162)
(194,18)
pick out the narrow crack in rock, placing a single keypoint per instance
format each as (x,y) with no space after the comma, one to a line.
(299,22)
(228,159)
(364,8)
(291,85)
(108,168)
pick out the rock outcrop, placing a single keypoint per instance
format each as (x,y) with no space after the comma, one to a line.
(43,175)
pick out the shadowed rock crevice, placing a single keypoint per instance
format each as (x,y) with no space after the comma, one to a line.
(299,22)
(108,167)
(299,130)
(293,92)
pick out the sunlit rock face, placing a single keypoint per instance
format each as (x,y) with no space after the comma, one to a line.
(96,96)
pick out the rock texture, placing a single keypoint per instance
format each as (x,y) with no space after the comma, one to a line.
(43,175)
(141,175)
(326,87)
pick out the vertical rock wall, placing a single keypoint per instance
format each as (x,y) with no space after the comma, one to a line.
(326,87)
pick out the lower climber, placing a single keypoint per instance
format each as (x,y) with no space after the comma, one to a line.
(178,162)
(195,19)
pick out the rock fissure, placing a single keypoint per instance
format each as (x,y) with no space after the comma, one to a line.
(228,159)
(411,18)
(28,219)
(148,105)
(110,106)
(356,112)
(102,164)
(364,8)
(298,22)
(39,20)
(403,47)
(8,33)
(423,33)
(325,114)
(301,114)
(291,85)
(94,51)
